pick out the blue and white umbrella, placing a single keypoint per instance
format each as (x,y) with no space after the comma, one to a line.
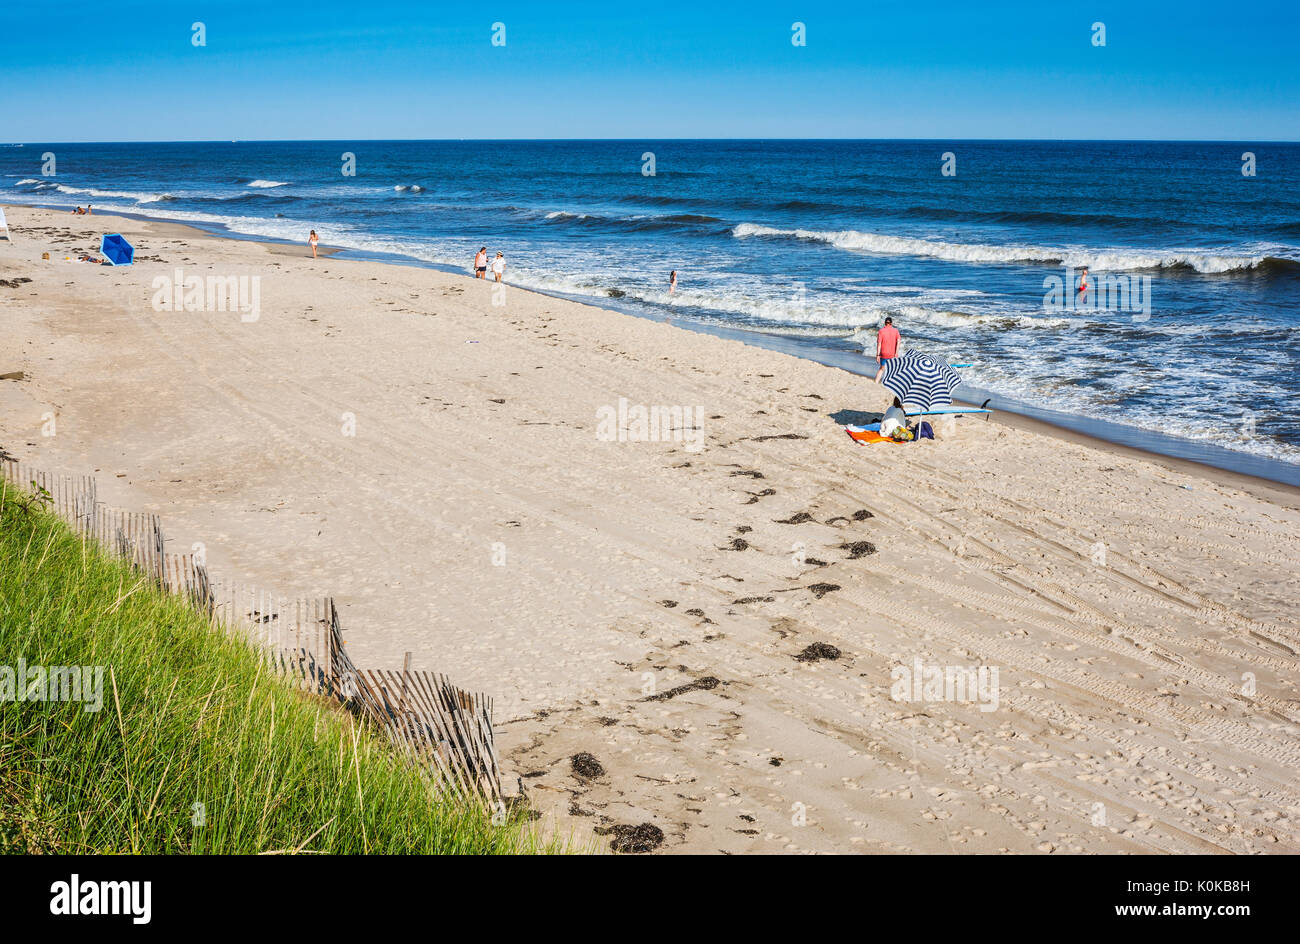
(920,380)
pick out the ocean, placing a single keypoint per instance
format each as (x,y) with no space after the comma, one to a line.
(1186,341)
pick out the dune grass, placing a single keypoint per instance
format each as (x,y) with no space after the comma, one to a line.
(196,747)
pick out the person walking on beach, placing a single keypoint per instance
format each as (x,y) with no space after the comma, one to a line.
(311,241)
(480,264)
(886,346)
(498,267)
(672,282)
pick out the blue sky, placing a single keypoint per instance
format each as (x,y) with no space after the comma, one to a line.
(127,70)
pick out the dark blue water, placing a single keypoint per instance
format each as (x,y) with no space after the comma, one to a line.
(815,242)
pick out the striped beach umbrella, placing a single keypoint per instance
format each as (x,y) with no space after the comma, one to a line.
(920,380)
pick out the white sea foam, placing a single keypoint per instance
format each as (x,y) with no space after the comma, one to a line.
(1183,414)
(814,316)
(1106,260)
(114,194)
(268,183)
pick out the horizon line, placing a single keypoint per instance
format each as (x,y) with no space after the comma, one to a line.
(653,138)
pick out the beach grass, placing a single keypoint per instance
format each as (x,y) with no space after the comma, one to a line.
(196,747)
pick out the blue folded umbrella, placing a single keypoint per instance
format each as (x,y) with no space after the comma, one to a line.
(116,250)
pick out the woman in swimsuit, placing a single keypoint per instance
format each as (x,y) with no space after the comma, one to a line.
(311,241)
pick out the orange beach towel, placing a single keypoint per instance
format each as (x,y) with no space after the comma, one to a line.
(869,437)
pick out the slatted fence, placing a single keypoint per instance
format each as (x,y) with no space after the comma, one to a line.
(443,727)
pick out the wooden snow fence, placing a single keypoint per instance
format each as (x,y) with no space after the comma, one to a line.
(432,718)
(439,726)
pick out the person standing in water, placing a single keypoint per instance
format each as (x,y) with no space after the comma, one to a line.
(498,267)
(886,346)
(672,282)
(480,264)
(311,241)
(1083,281)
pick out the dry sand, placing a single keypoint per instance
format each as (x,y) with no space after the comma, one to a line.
(645,603)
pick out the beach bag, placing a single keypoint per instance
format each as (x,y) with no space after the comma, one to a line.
(926,431)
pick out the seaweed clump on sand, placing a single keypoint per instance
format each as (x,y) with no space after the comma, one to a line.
(859,549)
(818,651)
(705,684)
(586,766)
(644,837)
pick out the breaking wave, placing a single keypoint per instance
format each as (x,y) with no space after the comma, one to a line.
(1108,260)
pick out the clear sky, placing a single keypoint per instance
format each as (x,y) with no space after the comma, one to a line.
(127,70)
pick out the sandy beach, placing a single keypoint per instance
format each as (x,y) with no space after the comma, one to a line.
(728,618)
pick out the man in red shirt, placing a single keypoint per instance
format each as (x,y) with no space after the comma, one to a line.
(886,346)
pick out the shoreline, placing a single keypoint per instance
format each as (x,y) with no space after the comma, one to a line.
(701,635)
(1237,466)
